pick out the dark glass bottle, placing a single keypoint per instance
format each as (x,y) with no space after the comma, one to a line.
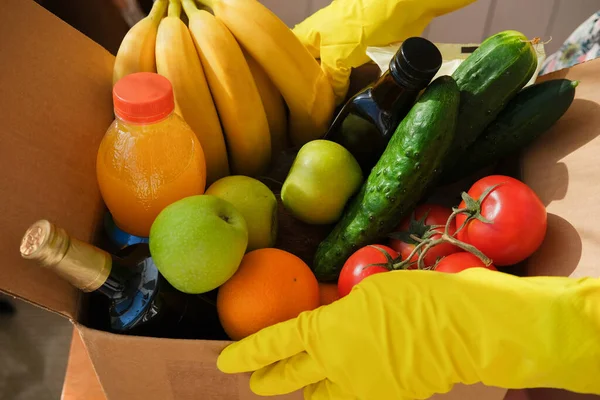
(141,301)
(368,120)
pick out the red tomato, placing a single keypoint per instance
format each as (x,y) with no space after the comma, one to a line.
(328,293)
(459,262)
(417,224)
(357,266)
(517,220)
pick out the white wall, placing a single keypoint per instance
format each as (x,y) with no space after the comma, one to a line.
(541,18)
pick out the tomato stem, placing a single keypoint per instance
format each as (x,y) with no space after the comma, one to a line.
(425,243)
(437,226)
(389,264)
(421,261)
(451,219)
(449,239)
(385,265)
(405,263)
(470,248)
(461,227)
(416,238)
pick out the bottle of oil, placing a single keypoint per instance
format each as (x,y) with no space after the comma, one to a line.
(140,301)
(368,120)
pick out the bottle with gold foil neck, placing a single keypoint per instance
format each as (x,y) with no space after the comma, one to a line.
(141,301)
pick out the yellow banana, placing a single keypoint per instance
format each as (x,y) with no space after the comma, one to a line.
(136,52)
(273,104)
(235,94)
(297,75)
(177,60)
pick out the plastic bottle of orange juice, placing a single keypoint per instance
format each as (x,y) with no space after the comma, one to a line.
(149,157)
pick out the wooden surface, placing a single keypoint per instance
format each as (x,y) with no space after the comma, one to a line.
(81,382)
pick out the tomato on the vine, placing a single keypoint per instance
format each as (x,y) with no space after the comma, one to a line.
(508,222)
(424,216)
(459,262)
(369,260)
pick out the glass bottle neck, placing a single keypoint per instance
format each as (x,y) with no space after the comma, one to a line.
(81,264)
(125,271)
(386,92)
(115,285)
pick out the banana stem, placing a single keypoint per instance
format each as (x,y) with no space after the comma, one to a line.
(208,3)
(189,7)
(158,10)
(174,8)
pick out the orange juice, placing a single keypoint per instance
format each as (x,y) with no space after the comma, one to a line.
(149,157)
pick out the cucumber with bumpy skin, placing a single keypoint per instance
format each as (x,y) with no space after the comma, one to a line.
(397,182)
(495,72)
(526,117)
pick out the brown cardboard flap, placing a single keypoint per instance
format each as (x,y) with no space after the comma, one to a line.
(477,391)
(55,104)
(142,368)
(563,168)
(81,381)
(186,370)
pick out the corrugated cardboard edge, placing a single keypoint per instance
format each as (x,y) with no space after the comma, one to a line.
(81,380)
(181,369)
(184,369)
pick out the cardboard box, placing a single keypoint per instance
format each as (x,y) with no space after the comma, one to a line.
(56,105)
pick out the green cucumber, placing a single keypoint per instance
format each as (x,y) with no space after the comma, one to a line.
(398,180)
(493,74)
(526,117)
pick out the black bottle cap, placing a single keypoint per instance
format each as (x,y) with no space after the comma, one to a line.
(415,63)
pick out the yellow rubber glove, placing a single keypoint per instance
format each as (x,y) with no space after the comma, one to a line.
(340,33)
(411,334)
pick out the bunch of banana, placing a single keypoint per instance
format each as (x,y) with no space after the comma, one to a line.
(136,53)
(234,92)
(177,60)
(233,73)
(289,65)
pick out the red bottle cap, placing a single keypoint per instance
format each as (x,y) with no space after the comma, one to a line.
(143,97)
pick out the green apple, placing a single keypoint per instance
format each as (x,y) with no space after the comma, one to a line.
(322,178)
(256,202)
(198,242)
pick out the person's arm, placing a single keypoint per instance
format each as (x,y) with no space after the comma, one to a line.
(410,334)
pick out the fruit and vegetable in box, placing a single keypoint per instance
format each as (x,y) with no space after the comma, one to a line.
(255,189)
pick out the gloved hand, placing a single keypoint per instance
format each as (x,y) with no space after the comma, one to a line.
(410,334)
(339,34)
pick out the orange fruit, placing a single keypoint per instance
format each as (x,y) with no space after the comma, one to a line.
(328,293)
(270,286)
